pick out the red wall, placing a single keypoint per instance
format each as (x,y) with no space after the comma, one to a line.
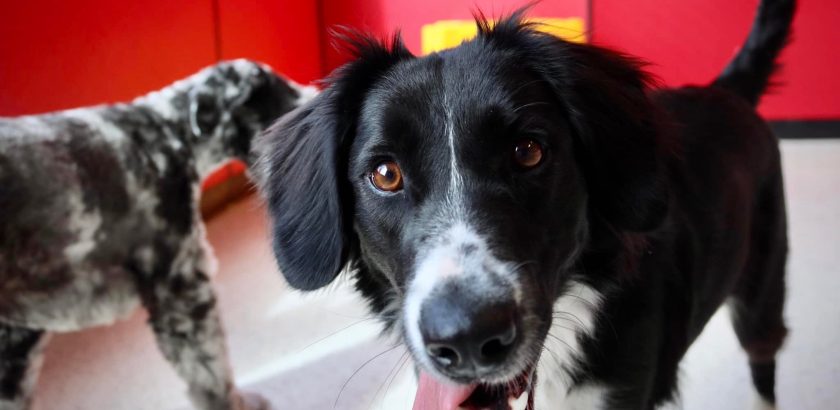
(690,41)
(57,54)
(282,33)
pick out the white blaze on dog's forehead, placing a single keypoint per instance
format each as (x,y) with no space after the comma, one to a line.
(455,180)
(575,316)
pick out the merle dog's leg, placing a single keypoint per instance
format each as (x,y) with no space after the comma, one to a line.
(21,353)
(758,300)
(185,319)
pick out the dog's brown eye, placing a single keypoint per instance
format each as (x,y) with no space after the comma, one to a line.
(527,153)
(387,177)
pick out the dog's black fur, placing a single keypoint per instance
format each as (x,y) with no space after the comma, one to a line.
(666,202)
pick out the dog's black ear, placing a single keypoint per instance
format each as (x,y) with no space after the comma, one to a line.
(301,169)
(619,133)
(618,129)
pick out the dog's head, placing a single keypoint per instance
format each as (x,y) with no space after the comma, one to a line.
(460,188)
(228,103)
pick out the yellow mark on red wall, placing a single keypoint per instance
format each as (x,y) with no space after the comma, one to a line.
(445,34)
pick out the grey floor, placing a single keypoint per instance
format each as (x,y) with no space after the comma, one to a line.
(321,351)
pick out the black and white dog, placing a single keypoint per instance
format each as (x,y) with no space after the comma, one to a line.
(100,213)
(542,228)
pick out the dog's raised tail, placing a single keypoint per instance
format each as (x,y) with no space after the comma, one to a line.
(749,73)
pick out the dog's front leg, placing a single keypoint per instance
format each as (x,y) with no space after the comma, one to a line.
(21,352)
(185,320)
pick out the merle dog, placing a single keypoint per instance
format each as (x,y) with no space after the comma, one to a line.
(99,213)
(543,228)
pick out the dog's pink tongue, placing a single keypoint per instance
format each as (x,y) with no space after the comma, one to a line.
(434,395)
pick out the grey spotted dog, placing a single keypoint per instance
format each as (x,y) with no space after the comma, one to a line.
(100,214)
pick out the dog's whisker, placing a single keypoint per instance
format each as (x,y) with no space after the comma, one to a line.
(358,322)
(568,346)
(388,379)
(605,319)
(573,316)
(571,329)
(346,382)
(554,356)
(582,300)
(571,320)
(406,358)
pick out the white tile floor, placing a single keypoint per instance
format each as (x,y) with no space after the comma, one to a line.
(303,351)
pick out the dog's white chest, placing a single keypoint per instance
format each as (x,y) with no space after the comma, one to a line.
(555,394)
(575,315)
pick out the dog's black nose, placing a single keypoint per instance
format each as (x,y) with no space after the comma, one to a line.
(464,338)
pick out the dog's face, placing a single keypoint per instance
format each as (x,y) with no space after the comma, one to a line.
(461,187)
(230,102)
(469,200)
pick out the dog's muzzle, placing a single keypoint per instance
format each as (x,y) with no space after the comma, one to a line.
(464,322)
(465,336)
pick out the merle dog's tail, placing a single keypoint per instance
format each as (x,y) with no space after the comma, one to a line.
(750,72)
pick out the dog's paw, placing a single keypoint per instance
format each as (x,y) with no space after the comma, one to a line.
(252,401)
